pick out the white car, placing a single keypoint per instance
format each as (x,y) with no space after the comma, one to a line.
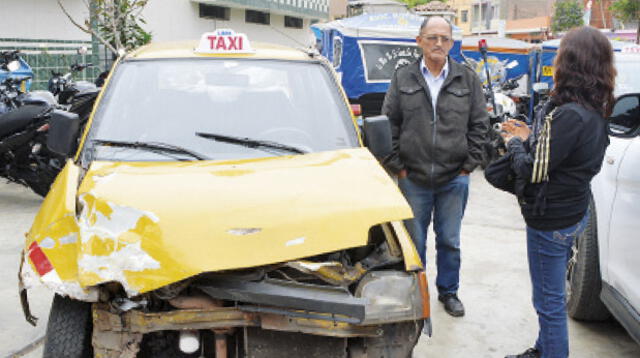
(604,272)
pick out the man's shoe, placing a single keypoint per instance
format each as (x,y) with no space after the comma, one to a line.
(452,304)
(529,353)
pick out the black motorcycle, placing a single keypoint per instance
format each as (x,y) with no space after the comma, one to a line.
(27,131)
(65,89)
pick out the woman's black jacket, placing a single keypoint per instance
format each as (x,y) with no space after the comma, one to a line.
(576,146)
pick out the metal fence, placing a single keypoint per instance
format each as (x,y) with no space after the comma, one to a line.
(45,56)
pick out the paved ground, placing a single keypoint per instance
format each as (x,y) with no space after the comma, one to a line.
(18,207)
(495,287)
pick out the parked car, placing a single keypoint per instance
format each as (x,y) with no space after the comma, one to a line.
(221,203)
(604,274)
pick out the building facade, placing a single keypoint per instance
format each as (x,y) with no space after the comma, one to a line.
(49,41)
(284,22)
(488,17)
(463,11)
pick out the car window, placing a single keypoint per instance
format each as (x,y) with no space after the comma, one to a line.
(168,101)
(626,114)
(628,79)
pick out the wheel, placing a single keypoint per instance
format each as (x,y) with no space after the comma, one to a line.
(396,341)
(69,329)
(583,275)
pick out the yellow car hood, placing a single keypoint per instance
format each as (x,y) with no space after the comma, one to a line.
(147,225)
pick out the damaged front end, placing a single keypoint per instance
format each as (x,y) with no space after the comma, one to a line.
(350,297)
(321,253)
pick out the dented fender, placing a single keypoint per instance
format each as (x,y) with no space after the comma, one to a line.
(52,242)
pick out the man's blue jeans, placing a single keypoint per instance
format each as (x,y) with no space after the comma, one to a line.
(447,203)
(549,253)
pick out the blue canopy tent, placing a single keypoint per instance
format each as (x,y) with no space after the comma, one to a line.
(365,50)
(549,50)
(503,50)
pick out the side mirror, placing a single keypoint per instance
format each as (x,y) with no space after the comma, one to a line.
(541,87)
(377,134)
(63,132)
(625,118)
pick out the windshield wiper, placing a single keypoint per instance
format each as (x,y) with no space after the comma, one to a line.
(156,147)
(251,143)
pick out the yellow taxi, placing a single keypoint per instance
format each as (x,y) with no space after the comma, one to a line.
(221,204)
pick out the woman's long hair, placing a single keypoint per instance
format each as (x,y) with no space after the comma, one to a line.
(584,70)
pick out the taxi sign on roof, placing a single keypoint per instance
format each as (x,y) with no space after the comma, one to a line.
(224,41)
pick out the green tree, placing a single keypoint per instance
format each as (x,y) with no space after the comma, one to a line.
(567,15)
(116,23)
(627,11)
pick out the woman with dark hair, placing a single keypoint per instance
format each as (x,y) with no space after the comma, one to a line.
(554,161)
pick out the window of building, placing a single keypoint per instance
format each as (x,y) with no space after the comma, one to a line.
(257,17)
(464,16)
(294,22)
(214,12)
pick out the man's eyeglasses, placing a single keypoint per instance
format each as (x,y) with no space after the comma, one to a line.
(434,38)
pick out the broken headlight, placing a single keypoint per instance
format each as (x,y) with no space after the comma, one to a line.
(391,296)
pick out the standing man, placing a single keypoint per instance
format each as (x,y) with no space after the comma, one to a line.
(438,122)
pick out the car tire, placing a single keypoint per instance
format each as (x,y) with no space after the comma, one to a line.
(584,282)
(69,329)
(397,341)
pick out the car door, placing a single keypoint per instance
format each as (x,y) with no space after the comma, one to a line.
(624,239)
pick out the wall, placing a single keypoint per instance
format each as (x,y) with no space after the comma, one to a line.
(337,8)
(167,19)
(526,9)
(181,21)
(460,6)
(41,19)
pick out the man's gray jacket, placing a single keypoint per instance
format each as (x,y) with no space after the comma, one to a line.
(434,146)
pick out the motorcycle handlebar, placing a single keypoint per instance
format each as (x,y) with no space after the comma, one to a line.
(77,67)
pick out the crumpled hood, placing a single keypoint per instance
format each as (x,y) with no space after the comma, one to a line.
(147,225)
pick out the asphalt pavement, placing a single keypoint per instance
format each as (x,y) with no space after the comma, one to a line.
(495,287)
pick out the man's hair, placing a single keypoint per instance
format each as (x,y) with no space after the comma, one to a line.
(426,20)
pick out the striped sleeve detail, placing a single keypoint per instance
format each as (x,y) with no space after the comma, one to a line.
(541,158)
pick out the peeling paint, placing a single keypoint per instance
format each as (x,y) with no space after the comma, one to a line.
(112,267)
(297,241)
(243,231)
(92,222)
(29,278)
(47,243)
(69,239)
(53,282)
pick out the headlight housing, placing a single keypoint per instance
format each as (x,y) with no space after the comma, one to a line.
(391,296)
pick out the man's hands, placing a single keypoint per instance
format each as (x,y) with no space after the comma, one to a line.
(514,128)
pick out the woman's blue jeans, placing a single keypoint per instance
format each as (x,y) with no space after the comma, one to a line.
(447,204)
(549,253)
